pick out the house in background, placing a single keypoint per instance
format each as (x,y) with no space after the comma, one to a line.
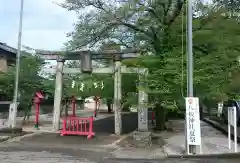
(7,56)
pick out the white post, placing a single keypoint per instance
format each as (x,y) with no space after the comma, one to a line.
(58,96)
(235,129)
(232,121)
(117,98)
(229,129)
(13,107)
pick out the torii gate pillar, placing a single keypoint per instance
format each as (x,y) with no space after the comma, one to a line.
(58,95)
(117,98)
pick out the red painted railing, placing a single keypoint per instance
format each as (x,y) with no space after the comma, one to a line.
(78,126)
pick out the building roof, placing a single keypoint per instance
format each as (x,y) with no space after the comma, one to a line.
(7,48)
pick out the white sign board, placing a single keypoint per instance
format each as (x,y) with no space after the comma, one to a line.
(193,121)
(232,121)
(232,116)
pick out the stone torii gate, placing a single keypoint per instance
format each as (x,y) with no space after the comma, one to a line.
(86,58)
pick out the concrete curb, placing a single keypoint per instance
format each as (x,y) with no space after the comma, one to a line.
(221,128)
(18,138)
(215,156)
(11,130)
(167,150)
(115,144)
(140,160)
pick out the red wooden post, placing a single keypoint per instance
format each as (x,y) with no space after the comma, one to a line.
(37,106)
(37,112)
(90,128)
(37,99)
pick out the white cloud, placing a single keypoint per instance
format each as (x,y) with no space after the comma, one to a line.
(44,39)
(45,23)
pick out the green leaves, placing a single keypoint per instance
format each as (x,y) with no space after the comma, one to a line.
(159,28)
(29,79)
(145,20)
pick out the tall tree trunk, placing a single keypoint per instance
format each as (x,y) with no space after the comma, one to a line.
(160,117)
(64,107)
(109,105)
(27,111)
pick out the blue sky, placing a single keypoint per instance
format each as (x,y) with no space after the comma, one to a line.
(45,24)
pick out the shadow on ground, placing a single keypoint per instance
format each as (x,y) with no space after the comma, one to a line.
(106,126)
(56,139)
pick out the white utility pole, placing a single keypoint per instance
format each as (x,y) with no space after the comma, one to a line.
(13,107)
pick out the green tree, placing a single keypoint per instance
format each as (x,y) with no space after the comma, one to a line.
(158,28)
(231,6)
(30,80)
(149,23)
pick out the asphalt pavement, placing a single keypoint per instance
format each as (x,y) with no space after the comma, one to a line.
(52,148)
(15,155)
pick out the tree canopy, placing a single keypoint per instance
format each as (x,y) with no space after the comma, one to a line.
(30,79)
(158,30)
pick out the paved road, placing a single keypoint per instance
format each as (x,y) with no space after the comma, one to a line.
(88,157)
(224,128)
(32,153)
(202,160)
(38,157)
(51,148)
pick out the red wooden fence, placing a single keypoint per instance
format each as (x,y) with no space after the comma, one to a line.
(78,126)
